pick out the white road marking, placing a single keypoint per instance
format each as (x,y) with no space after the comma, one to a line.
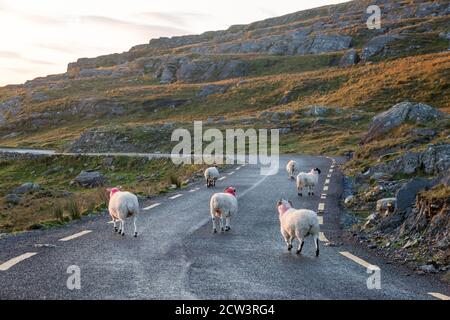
(76,235)
(321,206)
(238,168)
(231,173)
(221,178)
(331,170)
(323,196)
(152,206)
(439,295)
(176,196)
(329,176)
(322,237)
(327,181)
(8,264)
(358,260)
(320,219)
(325,188)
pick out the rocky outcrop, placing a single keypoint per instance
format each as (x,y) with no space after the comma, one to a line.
(212,89)
(376,45)
(399,114)
(316,111)
(434,160)
(90,179)
(27,187)
(350,58)
(10,107)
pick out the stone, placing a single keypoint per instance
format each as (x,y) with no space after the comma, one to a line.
(27,187)
(316,111)
(377,44)
(406,195)
(349,200)
(386,204)
(350,58)
(397,115)
(212,89)
(428,268)
(90,179)
(13,199)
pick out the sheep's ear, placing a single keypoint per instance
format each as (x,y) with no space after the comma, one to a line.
(290,202)
(108,189)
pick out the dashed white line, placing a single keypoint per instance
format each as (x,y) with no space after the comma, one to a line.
(320,219)
(325,188)
(221,178)
(231,173)
(152,206)
(358,260)
(321,207)
(327,181)
(322,237)
(176,196)
(329,176)
(439,295)
(8,264)
(331,170)
(76,235)
(323,196)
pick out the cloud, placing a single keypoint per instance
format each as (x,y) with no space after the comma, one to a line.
(176,18)
(112,22)
(18,56)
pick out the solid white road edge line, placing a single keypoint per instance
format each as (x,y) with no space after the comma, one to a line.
(8,264)
(439,295)
(322,237)
(358,260)
(76,235)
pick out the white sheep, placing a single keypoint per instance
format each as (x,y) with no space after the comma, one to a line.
(298,223)
(211,175)
(121,206)
(291,167)
(307,180)
(223,206)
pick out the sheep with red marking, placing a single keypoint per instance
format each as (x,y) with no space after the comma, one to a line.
(123,205)
(223,206)
(297,224)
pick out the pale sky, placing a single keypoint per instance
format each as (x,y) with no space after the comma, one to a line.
(40,37)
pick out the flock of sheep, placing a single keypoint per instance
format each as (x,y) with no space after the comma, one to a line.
(294,223)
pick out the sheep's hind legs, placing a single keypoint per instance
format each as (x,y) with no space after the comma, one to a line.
(316,242)
(227,224)
(115,227)
(214,224)
(300,247)
(135,228)
(222,229)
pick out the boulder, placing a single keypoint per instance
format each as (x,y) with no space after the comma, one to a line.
(399,114)
(377,44)
(406,195)
(90,179)
(349,200)
(13,199)
(27,187)
(350,58)
(386,204)
(211,89)
(316,111)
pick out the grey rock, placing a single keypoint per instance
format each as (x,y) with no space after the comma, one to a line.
(328,43)
(316,111)
(399,114)
(406,195)
(349,200)
(13,199)
(377,44)
(386,204)
(212,89)
(90,179)
(27,187)
(350,58)
(428,268)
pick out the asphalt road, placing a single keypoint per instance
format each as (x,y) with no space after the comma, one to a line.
(176,255)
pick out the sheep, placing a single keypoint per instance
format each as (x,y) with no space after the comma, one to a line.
(223,206)
(121,206)
(211,175)
(308,180)
(291,167)
(297,223)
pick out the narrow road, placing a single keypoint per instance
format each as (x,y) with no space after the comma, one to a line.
(176,255)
